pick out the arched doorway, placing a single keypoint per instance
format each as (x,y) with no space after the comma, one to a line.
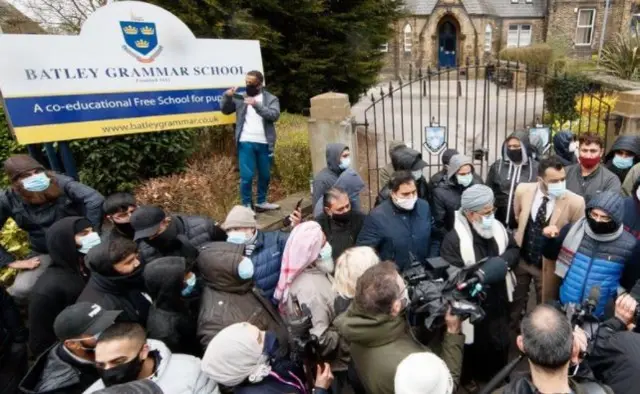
(447,43)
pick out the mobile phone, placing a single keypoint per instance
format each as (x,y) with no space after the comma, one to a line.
(238,96)
(299,204)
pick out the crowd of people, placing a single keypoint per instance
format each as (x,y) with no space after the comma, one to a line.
(120,297)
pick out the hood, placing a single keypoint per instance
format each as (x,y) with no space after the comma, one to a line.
(393,145)
(49,364)
(164,356)
(218,264)
(561,142)
(407,159)
(636,184)
(629,143)
(447,155)
(610,202)
(523,137)
(456,162)
(164,279)
(370,331)
(105,277)
(334,151)
(61,243)
(351,182)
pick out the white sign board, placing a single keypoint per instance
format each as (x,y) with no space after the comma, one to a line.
(133,68)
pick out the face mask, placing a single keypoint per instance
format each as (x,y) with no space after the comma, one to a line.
(36,182)
(487,222)
(190,284)
(405,203)
(245,269)
(417,174)
(88,241)
(237,237)
(125,228)
(123,373)
(573,146)
(515,155)
(601,227)
(464,180)
(325,262)
(557,189)
(326,251)
(341,217)
(345,163)
(622,162)
(589,162)
(638,194)
(252,90)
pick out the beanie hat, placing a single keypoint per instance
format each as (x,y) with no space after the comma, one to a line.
(476,197)
(423,373)
(17,165)
(240,217)
(447,155)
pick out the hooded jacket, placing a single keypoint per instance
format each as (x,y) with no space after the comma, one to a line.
(561,142)
(12,332)
(175,373)
(267,259)
(76,200)
(406,159)
(227,299)
(341,235)
(352,184)
(630,180)
(328,176)
(59,286)
(632,212)
(630,143)
(169,318)
(380,342)
(524,385)
(505,175)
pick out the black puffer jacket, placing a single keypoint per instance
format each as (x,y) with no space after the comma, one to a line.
(59,286)
(196,230)
(524,385)
(77,200)
(169,318)
(630,143)
(446,201)
(406,159)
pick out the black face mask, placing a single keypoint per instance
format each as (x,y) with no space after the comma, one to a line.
(123,373)
(341,217)
(126,229)
(253,90)
(601,227)
(515,155)
(167,239)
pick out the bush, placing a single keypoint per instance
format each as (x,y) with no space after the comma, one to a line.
(536,57)
(621,56)
(560,95)
(292,155)
(8,146)
(15,241)
(591,115)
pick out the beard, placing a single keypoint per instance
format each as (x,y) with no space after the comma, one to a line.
(52,193)
(484,233)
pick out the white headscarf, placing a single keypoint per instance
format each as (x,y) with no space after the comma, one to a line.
(235,355)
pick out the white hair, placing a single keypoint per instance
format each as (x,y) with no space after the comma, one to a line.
(350,266)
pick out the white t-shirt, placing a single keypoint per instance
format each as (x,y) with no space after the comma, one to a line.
(253,128)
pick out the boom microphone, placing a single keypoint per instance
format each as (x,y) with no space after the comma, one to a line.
(493,271)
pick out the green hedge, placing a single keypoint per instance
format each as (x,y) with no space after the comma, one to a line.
(560,96)
(8,146)
(292,155)
(536,57)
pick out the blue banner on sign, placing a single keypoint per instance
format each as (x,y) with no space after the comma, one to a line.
(36,111)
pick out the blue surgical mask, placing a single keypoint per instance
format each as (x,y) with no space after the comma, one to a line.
(237,237)
(487,222)
(326,252)
(416,174)
(345,163)
(557,189)
(37,182)
(464,180)
(190,284)
(622,162)
(88,241)
(245,269)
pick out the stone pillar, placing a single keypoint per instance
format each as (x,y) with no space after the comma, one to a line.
(330,121)
(624,118)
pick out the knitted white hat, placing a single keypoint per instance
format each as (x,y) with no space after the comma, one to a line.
(423,373)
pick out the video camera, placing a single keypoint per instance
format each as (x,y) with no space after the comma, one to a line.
(435,286)
(303,346)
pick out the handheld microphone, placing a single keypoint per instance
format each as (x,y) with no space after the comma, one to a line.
(493,271)
(592,300)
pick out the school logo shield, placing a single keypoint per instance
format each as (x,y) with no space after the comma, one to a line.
(141,40)
(435,138)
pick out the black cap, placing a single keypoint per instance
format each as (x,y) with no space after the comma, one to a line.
(146,220)
(82,319)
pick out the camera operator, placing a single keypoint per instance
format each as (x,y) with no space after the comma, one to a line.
(550,344)
(476,236)
(615,358)
(378,331)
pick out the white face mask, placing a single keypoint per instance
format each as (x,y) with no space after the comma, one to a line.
(325,260)
(405,203)
(638,194)
(573,146)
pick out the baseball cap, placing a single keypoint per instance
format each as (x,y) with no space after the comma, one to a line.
(146,220)
(83,318)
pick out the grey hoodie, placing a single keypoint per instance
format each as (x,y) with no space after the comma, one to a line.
(329,175)
(351,183)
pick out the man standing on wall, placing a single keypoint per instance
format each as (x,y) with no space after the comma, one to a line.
(257,110)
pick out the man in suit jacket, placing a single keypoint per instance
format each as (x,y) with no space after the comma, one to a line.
(541,209)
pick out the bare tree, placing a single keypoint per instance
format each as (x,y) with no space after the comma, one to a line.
(59,16)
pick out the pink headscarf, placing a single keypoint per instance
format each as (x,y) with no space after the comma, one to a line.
(303,248)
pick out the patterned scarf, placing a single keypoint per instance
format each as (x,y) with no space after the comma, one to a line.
(250,246)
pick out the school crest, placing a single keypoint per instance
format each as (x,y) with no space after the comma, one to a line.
(141,40)
(435,138)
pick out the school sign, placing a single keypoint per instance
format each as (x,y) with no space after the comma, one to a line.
(134,68)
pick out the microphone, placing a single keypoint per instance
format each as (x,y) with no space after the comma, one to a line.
(592,300)
(493,271)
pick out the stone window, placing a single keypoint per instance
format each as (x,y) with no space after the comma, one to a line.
(528,1)
(408,39)
(488,37)
(384,47)
(519,36)
(515,1)
(584,29)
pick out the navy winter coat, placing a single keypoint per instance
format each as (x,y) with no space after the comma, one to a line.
(267,257)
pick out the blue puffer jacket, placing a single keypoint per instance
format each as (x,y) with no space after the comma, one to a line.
(599,263)
(267,257)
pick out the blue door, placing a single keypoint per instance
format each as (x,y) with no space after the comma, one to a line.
(447,41)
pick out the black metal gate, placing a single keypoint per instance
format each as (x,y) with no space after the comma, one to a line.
(474,107)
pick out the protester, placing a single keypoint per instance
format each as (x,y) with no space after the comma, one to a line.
(160,235)
(630,180)
(338,160)
(401,226)
(306,264)
(229,295)
(124,354)
(171,285)
(118,209)
(440,177)
(378,331)
(565,147)
(249,360)
(589,177)
(340,222)
(349,267)
(13,345)
(446,198)
(68,241)
(541,209)
(624,153)
(632,211)
(539,139)
(116,280)
(35,200)
(411,379)
(68,367)
(549,344)
(135,387)
(350,183)
(255,135)
(477,236)
(513,168)
(385,173)
(593,252)
(407,159)
(264,248)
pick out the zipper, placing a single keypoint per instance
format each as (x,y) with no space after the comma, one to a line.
(586,278)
